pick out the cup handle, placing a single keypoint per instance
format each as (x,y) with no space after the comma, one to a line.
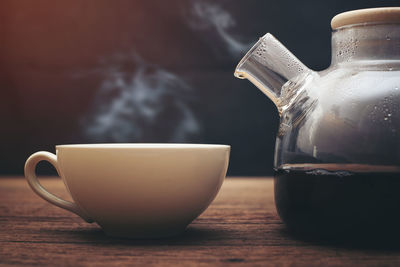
(30,175)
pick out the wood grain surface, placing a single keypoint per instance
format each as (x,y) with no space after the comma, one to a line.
(240,228)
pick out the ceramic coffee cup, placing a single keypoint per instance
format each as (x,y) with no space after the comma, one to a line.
(135,190)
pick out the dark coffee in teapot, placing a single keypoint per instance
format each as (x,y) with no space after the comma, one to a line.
(337,200)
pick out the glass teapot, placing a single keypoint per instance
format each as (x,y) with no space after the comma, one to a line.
(337,153)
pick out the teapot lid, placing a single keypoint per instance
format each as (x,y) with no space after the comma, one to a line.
(368,15)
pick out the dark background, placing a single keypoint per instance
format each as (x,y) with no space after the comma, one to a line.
(148,71)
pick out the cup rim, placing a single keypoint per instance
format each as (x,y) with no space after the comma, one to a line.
(143,146)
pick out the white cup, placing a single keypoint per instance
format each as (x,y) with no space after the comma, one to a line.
(136,190)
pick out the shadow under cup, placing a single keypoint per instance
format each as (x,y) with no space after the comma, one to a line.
(136,190)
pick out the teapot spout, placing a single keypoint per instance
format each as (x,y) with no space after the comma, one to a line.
(269,65)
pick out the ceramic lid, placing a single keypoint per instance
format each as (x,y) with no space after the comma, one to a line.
(368,15)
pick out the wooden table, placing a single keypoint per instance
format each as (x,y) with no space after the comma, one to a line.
(241,227)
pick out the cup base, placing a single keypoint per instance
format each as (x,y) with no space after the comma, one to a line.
(144,234)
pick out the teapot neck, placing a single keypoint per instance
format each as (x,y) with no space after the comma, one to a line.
(372,42)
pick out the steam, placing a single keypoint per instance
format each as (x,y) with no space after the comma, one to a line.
(212,17)
(140,102)
(138,106)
